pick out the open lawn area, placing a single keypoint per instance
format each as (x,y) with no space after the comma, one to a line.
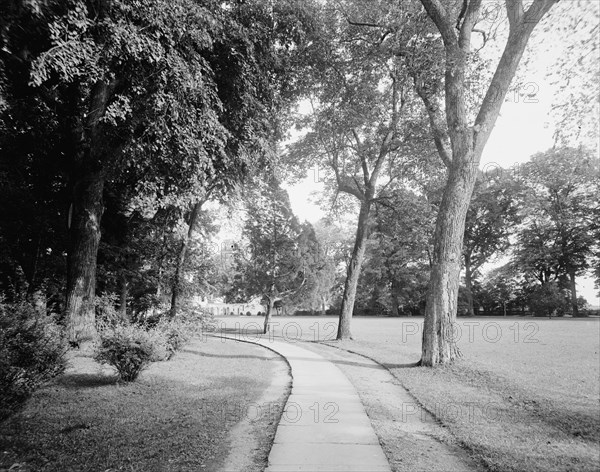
(191,413)
(525,397)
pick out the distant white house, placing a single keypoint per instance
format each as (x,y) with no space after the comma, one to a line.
(218,307)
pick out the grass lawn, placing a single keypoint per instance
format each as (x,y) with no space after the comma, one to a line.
(525,397)
(176,417)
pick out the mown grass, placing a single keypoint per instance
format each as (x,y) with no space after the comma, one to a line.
(176,417)
(525,397)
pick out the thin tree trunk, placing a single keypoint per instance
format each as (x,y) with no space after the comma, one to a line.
(394,297)
(469,285)
(353,273)
(269,314)
(85,215)
(178,277)
(573,294)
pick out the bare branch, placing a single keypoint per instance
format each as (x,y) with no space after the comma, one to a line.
(360,23)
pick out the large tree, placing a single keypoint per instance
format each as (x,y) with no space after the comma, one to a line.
(398,259)
(491,219)
(363,121)
(271,261)
(557,240)
(162,96)
(460,142)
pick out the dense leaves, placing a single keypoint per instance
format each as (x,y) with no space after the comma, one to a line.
(32,351)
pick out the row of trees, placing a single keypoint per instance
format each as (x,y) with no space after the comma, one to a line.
(124,120)
(540,216)
(380,74)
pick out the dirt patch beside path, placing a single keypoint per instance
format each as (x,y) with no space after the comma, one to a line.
(251,439)
(411,438)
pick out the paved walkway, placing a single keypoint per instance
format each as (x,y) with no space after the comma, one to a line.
(324,427)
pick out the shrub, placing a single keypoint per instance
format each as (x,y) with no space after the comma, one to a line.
(127,348)
(32,351)
(177,333)
(106,313)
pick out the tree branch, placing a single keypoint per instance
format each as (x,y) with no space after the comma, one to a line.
(438,126)
(515,12)
(440,17)
(521,27)
(471,16)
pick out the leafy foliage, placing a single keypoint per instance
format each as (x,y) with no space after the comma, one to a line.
(548,299)
(557,237)
(32,351)
(395,273)
(271,263)
(129,349)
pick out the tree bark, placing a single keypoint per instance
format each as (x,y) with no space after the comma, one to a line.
(573,294)
(269,314)
(469,285)
(84,231)
(439,344)
(353,272)
(394,297)
(85,215)
(178,276)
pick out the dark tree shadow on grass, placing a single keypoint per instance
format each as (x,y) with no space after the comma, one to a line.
(86,380)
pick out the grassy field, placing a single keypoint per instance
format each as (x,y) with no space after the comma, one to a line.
(525,397)
(177,417)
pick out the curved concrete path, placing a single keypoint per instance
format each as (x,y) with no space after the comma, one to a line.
(324,426)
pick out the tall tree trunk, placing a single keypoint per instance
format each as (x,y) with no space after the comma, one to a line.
(394,296)
(85,215)
(460,144)
(323,309)
(269,314)
(84,231)
(439,344)
(573,294)
(178,277)
(469,285)
(353,272)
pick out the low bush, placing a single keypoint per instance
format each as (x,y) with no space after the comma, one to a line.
(32,351)
(106,313)
(176,334)
(129,349)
